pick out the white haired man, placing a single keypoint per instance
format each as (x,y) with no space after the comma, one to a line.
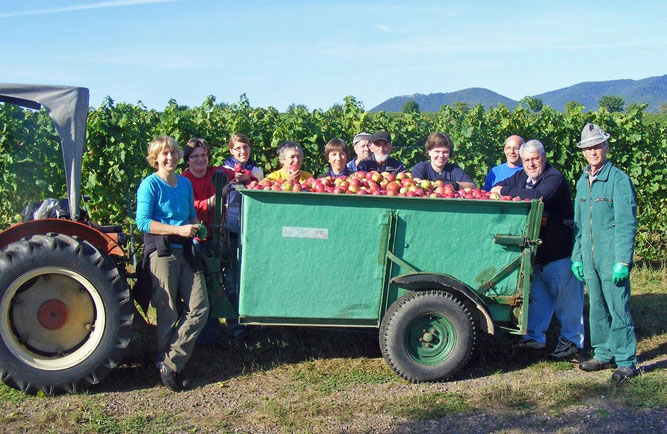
(554,290)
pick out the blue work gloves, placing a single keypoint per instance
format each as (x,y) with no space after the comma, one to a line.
(621,272)
(578,270)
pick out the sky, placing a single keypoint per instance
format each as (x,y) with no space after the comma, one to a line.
(318,52)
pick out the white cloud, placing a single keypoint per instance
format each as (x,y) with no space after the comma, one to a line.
(98,5)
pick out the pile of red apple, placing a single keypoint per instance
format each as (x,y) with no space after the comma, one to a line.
(378,184)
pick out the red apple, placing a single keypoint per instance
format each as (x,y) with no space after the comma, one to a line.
(393,186)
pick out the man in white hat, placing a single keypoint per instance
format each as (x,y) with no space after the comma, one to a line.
(605,215)
(362,147)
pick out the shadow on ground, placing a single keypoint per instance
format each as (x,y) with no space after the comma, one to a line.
(268,347)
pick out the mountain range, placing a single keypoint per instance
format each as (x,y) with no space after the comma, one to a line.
(652,91)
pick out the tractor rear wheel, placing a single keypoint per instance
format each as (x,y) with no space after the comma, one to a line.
(427,336)
(65,314)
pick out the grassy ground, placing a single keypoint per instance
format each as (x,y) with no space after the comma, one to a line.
(288,379)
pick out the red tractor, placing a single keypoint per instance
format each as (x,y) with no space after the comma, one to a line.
(66,311)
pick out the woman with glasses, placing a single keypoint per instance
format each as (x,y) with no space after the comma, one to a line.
(197,156)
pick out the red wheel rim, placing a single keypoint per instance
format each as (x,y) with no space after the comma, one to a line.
(53,314)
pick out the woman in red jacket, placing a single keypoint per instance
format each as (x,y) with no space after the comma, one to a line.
(197,154)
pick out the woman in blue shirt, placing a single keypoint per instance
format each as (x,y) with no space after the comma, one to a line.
(166,215)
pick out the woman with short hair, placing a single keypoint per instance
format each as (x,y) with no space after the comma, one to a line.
(166,215)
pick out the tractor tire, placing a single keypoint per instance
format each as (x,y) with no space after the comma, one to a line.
(427,336)
(65,314)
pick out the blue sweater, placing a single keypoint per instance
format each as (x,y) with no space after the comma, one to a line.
(392,165)
(499,173)
(451,172)
(157,200)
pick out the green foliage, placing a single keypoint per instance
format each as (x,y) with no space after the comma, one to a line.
(534,104)
(613,103)
(410,106)
(572,106)
(118,135)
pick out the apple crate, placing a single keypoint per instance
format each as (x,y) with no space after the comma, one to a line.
(429,273)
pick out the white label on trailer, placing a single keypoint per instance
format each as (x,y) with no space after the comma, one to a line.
(300,232)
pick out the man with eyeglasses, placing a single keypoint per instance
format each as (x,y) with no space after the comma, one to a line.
(510,167)
(605,217)
(554,289)
(362,147)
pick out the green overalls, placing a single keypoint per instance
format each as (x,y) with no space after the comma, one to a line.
(605,225)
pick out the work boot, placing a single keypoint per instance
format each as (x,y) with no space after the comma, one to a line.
(564,349)
(530,343)
(183,380)
(170,378)
(595,365)
(623,373)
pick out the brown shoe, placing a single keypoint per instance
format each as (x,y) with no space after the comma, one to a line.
(624,373)
(595,365)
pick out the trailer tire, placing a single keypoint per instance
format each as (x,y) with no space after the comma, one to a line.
(65,314)
(427,336)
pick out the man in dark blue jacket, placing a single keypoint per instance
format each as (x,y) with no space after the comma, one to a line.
(554,288)
(380,160)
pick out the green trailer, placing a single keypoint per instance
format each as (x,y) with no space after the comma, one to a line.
(428,273)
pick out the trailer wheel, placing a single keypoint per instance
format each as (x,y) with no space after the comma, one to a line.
(65,314)
(427,336)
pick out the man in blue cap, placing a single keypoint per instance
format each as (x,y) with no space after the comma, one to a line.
(605,215)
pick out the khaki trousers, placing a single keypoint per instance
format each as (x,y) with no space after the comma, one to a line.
(174,279)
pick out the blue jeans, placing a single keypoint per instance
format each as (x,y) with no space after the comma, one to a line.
(555,290)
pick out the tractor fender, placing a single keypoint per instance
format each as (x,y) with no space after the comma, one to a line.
(443,282)
(106,243)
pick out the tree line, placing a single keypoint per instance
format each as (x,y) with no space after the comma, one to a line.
(118,134)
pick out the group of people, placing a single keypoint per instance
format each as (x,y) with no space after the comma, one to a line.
(590,240)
